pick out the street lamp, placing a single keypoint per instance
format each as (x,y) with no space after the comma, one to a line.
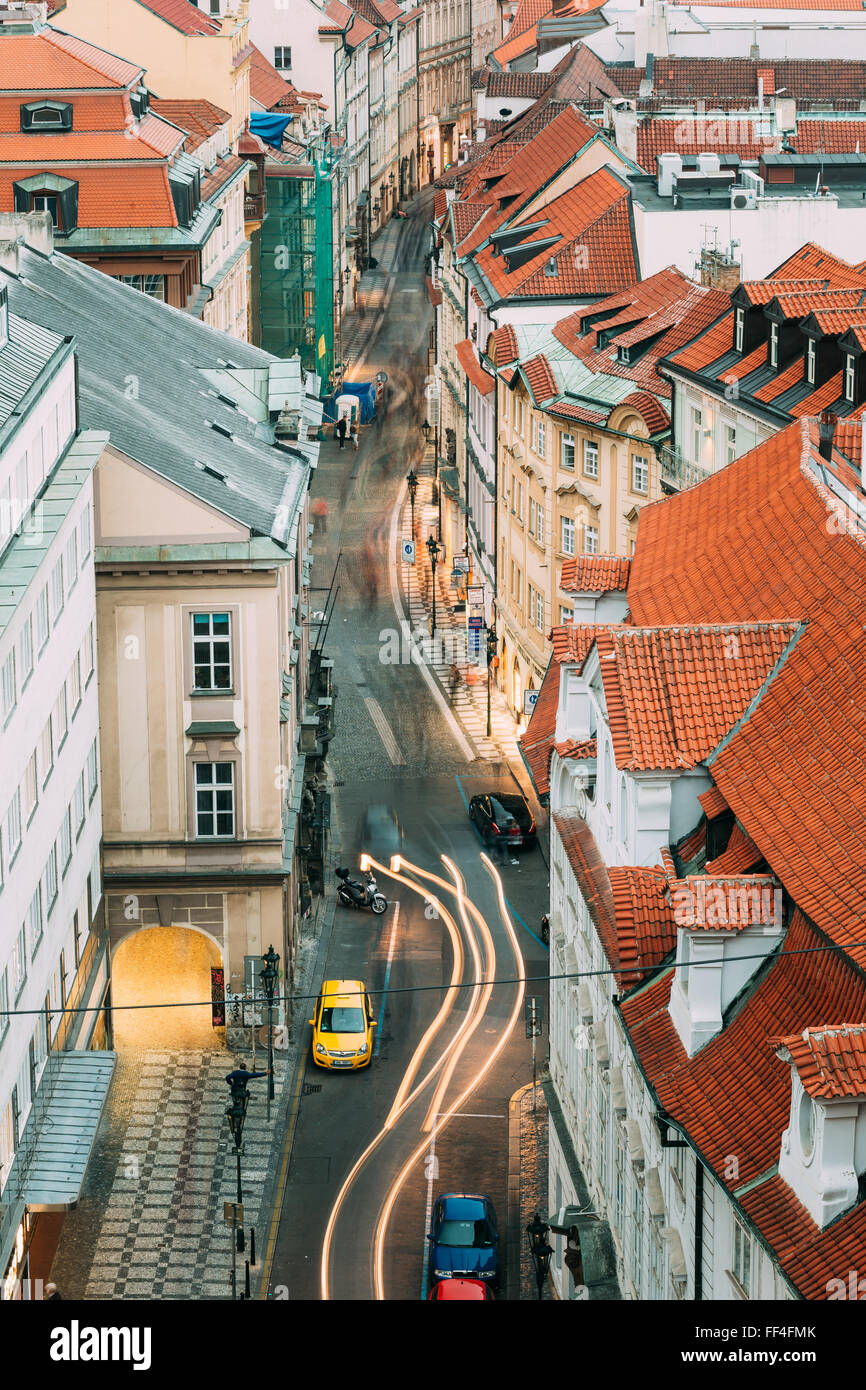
(269,975)
(542,1251)
(412,484)
(491,657)
(426,427)
(433,551)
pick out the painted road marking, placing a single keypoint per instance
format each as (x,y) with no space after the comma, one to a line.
(474,1115)
(377,714)
(431,1165)
(391,944)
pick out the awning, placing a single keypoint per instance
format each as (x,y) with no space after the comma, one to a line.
(213,728)
(55,1174)
(481,380)
(449,479)
(285,712)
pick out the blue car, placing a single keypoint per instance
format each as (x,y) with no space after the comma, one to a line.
(465,1238)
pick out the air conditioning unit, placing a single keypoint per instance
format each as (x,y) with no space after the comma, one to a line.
(749,179)
(743,198)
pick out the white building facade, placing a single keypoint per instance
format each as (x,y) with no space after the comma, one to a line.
(52,943)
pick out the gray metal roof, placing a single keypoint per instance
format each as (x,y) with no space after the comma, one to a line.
(22,360)
(142,376)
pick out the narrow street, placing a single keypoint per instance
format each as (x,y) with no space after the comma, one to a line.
(394,746)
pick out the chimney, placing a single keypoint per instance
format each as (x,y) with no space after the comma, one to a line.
(9,256)
(827,423)
(35,229)
(719,272)
(754,51)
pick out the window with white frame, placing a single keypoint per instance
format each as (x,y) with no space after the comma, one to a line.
(742,1256)
(151,285)
(88,659)
(74,680)
(79,805)
(65,839)
(71,562)
(46,751)
(283,59)
(730,443)
(811,361)
(56,591)
(43,626)
(31,789)
(539,611)
(850,377)
(697,434)
(568,535)
(7,684)
(84,535)
(49,881)
(12,827)
(774,345)
(60,718)
(92,771)
(18,963)
(567,454)
(566,615)
(34,921)
(4,1000)
(590,458)
(639,473)
(214,800)
(739,329)
(25,651)
(211,651)
(590,540)
(541,439)
(532,516)
(539,524)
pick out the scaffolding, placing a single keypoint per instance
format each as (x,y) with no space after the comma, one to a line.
(297,266)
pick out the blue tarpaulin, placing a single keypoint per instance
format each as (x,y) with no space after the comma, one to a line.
(269,127)
(366,393)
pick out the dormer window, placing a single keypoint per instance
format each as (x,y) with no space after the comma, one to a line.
(850,377)
(45,202)
(811,361)
(739,329)
(623,355)
(39,116)
(51,193)
(774,346)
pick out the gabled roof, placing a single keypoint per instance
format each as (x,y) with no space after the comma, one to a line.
(674,693)
(830,1061)
(714,803)
(481,380)
(722,553)
(267,86)
(740,855)
(199,118)
(571,643)
(57,62)
(182,15)
(733,82)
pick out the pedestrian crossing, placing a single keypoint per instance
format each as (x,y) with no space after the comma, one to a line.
(469,703)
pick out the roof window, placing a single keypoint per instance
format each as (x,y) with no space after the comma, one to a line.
(39,116)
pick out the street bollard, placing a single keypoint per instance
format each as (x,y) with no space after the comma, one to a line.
(253,1246)
(246,1278)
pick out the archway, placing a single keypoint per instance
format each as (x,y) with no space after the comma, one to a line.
(164,966)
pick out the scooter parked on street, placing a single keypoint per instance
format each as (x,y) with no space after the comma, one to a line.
(354,894)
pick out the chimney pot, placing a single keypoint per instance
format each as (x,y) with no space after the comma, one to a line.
(827,423)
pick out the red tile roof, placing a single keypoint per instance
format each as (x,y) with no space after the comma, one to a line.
(180,14)
(503,345)
(267,86)
(433,292)
(481,380)
(595,574)
(57,62)
(740,855)
(733,82)
(722,553)
(830,1060)
(673,693)
(571,642)
(198,117)
(518,84)
(567,410)
(118,196)
(654,414)
(713,802)
(540,379)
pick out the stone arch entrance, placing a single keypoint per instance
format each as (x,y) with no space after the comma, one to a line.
(164,966)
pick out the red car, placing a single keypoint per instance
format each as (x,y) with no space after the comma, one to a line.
(461,1291)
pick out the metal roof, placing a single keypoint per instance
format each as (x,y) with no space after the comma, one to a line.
(22,360)
(55,1173)
(142,377)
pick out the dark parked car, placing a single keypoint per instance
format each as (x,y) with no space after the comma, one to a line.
(506,814)
(464,1239)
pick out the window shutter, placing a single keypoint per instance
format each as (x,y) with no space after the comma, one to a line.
(22,198)
(68,199)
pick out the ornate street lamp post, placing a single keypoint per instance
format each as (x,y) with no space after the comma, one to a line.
(269,974)
(491,657)
(542,1251)
(412,484)
(433,551)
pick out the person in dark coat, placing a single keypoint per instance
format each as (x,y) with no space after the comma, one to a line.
(238,1079)
(340,430)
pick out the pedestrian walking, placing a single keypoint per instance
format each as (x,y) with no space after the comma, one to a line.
(355,434)
(453,681)
(52,1293)
(238,1079)
(340,430)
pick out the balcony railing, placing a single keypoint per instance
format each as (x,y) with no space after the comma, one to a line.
(678,472)
(254,207)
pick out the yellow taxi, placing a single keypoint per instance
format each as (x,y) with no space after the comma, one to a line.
(343,1025)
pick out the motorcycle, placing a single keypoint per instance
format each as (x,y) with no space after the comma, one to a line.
(354,894)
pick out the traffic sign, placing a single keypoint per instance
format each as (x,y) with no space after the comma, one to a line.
(408,549)
(476,594)
(529,700)
(461,562)
(476,622)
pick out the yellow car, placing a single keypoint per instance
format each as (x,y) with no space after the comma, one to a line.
(343,1025)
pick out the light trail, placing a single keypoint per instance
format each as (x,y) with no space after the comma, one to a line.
(396,1111)
(398,1183)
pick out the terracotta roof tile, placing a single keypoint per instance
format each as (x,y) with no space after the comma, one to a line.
(598,574)
(267,86)
(654,414)
(434,293)
(503,344)
(518,84)
(819,400)
(481,380)
(830,1060)
(571,642)
(714,803)
(733,82)
(722,553)
(568,410)
(132,196)
(198,117)
(180,14)
(58,62)
(674,693)
(740,855)
(540,378)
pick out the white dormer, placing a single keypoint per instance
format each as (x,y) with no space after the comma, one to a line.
(824,1147)
(4,317)
(575,712)
(726,927)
